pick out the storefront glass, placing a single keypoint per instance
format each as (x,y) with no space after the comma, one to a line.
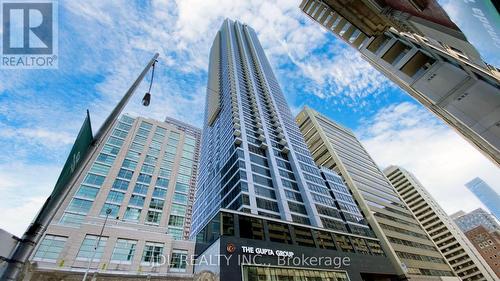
(260,273)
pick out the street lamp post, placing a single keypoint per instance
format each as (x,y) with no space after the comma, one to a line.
(33,234)
(108,211)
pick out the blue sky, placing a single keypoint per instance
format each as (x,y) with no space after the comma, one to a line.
(103,45)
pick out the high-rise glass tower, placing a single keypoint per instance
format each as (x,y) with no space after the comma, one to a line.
(401,235)
(140,185)
(259,191)
(487,195)
(475,218)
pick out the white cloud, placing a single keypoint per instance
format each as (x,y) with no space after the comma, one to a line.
(38,135)
(410,136)
(16,219)
(183,31)
(23,190)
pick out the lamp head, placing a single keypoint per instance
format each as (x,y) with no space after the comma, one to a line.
(146,99)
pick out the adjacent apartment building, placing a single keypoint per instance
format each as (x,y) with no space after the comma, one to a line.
(140,183)
(463,257)
(486,194)
(402,237)
(260,198)
(417,46)
(488,244)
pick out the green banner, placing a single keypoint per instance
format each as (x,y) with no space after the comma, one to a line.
(76,155)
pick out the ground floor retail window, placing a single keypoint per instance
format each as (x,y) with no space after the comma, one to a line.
(261,273)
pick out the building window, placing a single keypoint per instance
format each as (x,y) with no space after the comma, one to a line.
(124,251)
(148,169)
(153,217)
(375,248)
(278,232)
(180,198)
(152,253)
(176,221)
(360,245)
(105,158)
(303,236)
(325,240)
(180,187)
(178,262)
(94,179)
(251,228)
(161,182)
(88,248)
(110,149)
(129,164)
(114,210)
(344,243)
(150,159)
(137,200)
(127,119)
(120,184)
(86,191)
(176,233)
(132,214)
(378,43)
(268,205)
(115,141)
(115,197)
(100,169)
(396,52)
(132,157)
(159,192)
(79,206)
(156,204)
(418,64)
(178,210)
(72,219)
(144,178)
(141,188)
(50,248)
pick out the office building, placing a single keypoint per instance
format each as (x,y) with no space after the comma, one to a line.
(488,244)
(417,46)
(402,237)
(143,176)
(468,221)
(456,248)
(259,194)
(487,195)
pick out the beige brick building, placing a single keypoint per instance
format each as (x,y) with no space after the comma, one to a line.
(465,260)
(143,174)
(402,237)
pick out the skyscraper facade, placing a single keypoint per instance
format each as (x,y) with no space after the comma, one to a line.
(487,195)
(468,221)
(259,193)
(402,237)
(139,183)
(456,248)
(417,46)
